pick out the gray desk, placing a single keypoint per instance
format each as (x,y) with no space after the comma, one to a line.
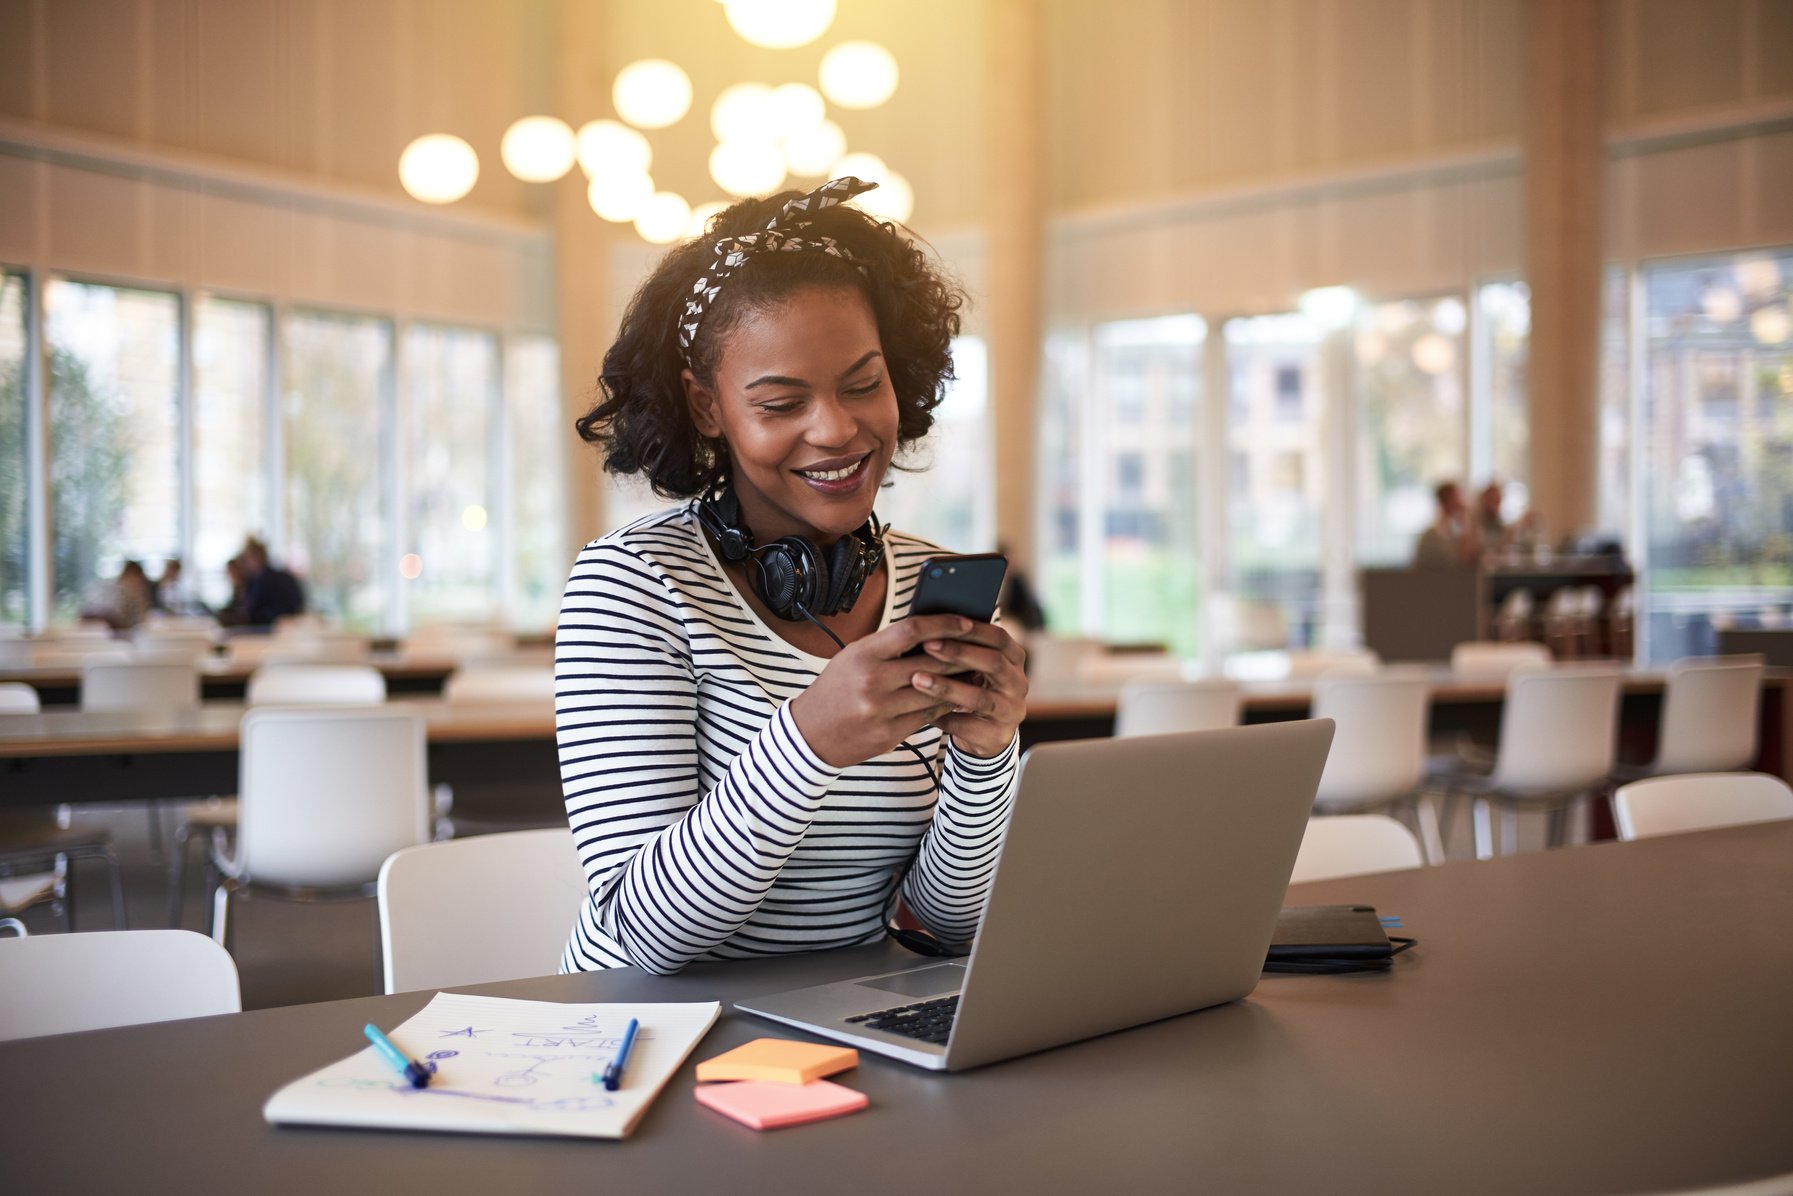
(1612,1018)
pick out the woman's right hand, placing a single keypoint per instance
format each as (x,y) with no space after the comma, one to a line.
(863,704)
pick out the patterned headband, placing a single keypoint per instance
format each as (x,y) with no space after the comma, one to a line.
(782,234)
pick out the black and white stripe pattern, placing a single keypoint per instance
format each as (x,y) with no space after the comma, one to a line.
(707,827)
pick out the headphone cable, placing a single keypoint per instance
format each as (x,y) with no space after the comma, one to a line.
(913,750)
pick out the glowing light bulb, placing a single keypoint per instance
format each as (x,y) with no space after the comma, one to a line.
(779,24)
(663,218)
(607,147)
(619,197)
(811,153)
(438,168)
(858,75)
(538,149)
(795,109)
(747,167)
(652,93)
(473,518)
(743,112)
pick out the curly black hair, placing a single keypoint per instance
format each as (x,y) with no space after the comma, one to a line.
(641,422)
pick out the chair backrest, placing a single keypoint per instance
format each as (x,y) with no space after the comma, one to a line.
(18,698)
(140,685)
(1696,801)
(1710,714)
(497,683)
(1308,664)
(1494,658)
(191,645)
(316,685)
(61,983)
(318,647)
(16,652)
(469,911)
(1379,747)
(1558,729)
(328,793)
(1166,707)
(1353,844)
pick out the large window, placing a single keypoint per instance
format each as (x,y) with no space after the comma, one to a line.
(1139,461)
(450,562)
(1716,486)
(952,500)
(1412,429)
(15,527)
(231,495)
(114,436)
(1614,505)
(1058,478)
(1276,420)
(1503,332)
(538,435)
(336,391)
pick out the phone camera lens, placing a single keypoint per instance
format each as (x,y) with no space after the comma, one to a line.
(934,572)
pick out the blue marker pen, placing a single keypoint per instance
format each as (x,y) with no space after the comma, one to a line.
(417,1073)
(613,1075)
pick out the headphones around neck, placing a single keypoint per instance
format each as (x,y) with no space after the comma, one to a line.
(795,579)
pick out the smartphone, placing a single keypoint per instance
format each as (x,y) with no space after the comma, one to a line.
(959,585)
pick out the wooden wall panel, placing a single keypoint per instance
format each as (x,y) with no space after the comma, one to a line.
(93,65)
(18,53)
(94,224)
(239,245)
(19,200)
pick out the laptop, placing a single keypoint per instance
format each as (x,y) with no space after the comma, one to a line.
(1139,878)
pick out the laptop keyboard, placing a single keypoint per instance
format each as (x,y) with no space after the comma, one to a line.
(929,1021)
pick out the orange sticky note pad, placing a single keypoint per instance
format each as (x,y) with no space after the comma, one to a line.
(766,1105)
(779,1060)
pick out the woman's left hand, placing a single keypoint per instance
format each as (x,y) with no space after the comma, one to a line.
(989,701)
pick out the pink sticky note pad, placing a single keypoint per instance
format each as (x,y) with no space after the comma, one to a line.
(767,1105)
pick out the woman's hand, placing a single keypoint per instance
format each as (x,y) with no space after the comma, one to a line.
(989,702)
(864,703)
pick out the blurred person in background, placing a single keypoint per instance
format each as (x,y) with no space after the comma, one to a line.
(1454,538)
(126,601)
(269,592)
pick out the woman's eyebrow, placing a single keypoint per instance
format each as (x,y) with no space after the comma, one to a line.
(786,380)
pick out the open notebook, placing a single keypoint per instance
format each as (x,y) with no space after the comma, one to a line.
(504,1067)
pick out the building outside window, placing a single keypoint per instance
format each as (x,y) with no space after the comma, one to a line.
(1716,431)
(15,458)
(1503,332)
(952,501)
(538,446)
(449,557)
(1276,417)
(336,396)
(1412,429)
(114,437)
(231,495)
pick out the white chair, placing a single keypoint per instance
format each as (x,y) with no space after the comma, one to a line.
(270,685)
(1558,735)
(156,643)
(1163,708)
(326,793)
(316,685)
(248,649)
(1353,845)
(1310,663)
(140,685)
(18,698)
(496,683)
(1697,801)
(1710,715)
(61,983)
(1378,756)
(1495,658)
(318,647)
(494,907)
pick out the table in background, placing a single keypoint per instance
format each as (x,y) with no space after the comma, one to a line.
(223,680)
(1607,1018)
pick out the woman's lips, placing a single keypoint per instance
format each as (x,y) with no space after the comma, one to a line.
(849,479)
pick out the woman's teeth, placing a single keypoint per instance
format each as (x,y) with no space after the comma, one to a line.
(833,475)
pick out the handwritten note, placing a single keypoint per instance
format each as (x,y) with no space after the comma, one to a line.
(504,1067)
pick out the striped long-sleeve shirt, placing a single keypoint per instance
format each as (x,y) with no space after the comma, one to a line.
(708,828)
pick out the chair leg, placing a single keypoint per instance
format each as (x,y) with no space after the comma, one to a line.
(1559,821)
(156,847)
(1425,812)
(1509,831)
(119,921)
(220,928)
(68,892)
(177,873)
(1484,829)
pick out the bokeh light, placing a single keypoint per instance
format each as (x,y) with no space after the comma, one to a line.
(438,168)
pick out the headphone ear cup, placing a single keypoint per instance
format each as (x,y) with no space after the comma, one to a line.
(788,576)
(843,571)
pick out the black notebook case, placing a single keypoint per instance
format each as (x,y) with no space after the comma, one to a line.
(1323,933)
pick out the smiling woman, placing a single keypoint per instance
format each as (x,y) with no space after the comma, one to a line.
(751,764)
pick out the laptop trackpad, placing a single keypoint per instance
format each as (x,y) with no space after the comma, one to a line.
(922,982)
